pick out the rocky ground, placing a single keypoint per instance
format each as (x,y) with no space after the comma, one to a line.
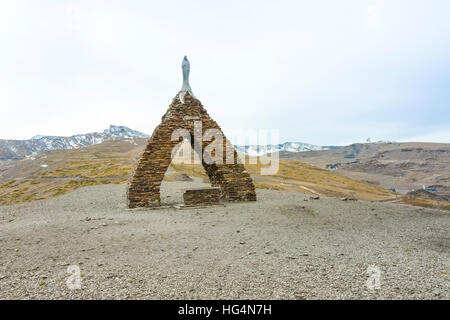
(284,246)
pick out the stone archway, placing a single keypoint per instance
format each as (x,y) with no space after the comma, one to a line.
(143,188)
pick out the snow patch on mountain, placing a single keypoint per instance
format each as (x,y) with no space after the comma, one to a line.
(257,150)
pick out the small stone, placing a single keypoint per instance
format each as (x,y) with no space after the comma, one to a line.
(436,293)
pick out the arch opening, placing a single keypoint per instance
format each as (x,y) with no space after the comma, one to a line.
(182,175)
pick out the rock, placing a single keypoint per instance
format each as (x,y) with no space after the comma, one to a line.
(436,292)
(183,177)
(314,197)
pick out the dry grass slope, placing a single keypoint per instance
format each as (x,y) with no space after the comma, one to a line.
(427,203)
(296,176)
(59,172)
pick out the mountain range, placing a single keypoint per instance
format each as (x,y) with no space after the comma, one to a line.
(413,170)
(259,150)
(19,149)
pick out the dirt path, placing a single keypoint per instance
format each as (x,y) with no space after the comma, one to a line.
(278,247)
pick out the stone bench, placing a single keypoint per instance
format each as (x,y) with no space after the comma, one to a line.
(202,196)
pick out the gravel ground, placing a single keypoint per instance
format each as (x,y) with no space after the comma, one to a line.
(280,247)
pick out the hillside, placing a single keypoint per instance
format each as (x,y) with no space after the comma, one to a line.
(59,172)
(404,167)
(111,162)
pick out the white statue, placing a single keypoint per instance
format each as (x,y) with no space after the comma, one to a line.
(186,67)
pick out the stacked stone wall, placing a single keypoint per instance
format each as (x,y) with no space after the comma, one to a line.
(201,196)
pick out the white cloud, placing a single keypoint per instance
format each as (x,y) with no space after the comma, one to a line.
(73,16)
(373,20)
(308,69)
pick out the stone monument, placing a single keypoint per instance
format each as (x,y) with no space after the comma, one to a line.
(186,112)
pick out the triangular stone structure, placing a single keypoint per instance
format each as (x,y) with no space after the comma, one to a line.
(186,112)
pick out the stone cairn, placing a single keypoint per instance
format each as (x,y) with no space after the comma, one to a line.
(229,175)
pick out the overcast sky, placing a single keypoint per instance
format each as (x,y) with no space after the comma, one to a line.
(322,72)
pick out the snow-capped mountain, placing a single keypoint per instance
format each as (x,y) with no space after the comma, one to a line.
(19,149)
(124,132)
(256,150)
